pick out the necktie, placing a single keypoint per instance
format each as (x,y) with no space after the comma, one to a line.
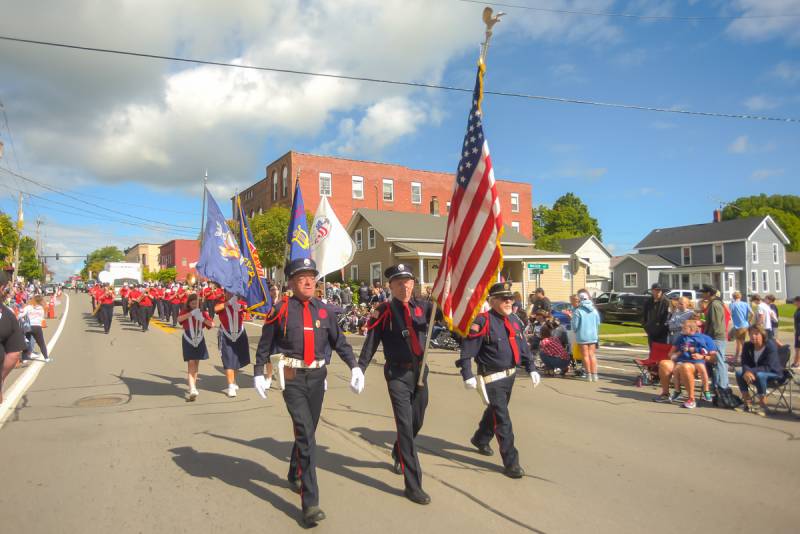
(512,339)
(415,348)
(308,335)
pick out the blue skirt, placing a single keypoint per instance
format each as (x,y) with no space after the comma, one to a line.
(200,352)
(234,355)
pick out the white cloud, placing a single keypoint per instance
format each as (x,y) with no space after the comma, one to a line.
(566,73)
(761,103)
(787,71)
(764,174)
(740,145)
(761,28)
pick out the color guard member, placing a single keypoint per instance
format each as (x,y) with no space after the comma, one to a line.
(233,345)
(193,321)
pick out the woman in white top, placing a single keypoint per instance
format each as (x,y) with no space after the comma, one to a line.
(34,311)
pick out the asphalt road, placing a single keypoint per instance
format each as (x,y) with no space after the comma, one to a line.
(104,442)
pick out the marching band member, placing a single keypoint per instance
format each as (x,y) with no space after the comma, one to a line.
(193,321)
(106,303)
(123,295)
(233,345)
(145,302)
(133,303)
(401,325)
(497,343)
(175,302)
(304,331)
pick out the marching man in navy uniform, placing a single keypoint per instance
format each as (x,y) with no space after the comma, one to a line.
(497,343)
(304,331)
(401,324)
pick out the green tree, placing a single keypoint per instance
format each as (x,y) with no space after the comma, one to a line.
(97,259)
(8,238)
(30,267)
(269,234)
(165,276)
(784,210)
(569,217)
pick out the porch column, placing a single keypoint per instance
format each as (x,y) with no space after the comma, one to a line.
(421,271)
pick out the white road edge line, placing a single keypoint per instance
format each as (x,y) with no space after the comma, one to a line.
(26,379)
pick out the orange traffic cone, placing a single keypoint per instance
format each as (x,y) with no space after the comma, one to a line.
(51,308)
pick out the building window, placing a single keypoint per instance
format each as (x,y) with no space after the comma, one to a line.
(388,190)
(775,253)
(416,193)
(764,281)
(371,237)
(566,274)
(630,280)
(183,262)
(144,259)
(358,187)
(754,252)
(754,281)
(325,187)
(686,255)
(514,202)
(375,273)
(515,225)
(285,178)
(719,254)
(448,208)
(274,186)
(354,272)
(358,237)
(778,281)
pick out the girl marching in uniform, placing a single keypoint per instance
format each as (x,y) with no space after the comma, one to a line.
(233,345)
(193,320)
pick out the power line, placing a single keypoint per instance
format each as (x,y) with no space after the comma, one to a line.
(563,100)
(55,190)
(631,15)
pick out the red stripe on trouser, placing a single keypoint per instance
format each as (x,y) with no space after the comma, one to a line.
(299,469)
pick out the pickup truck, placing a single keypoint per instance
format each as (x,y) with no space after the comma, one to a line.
(626,309)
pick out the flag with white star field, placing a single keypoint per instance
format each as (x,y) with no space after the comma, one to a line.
(472,255)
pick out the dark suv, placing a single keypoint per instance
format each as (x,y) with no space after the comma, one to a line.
(626,309)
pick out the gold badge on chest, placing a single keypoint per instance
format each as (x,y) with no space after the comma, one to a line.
(317,323)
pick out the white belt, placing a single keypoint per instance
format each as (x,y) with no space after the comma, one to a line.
(499,375)
(296,363)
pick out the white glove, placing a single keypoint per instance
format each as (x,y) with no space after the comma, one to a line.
(471,383)
(197,314)
(262,385)
(357,381)
(536,378)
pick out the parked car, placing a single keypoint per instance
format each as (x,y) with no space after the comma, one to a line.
(49,289)
(562,311)
(688,293)
(604,300)
(626,309)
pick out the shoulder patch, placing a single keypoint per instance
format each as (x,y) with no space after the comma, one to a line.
(475,328)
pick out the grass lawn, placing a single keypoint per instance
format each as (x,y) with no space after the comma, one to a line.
(786,311)
(624,341)
(606,328)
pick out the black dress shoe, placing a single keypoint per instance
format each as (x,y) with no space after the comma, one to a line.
(295,484)
(485,450)
(313,515)
(514,472)
(417,496)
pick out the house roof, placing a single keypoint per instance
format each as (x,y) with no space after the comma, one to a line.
(793,258)
(415,227)
(570,246)
(649,260)
(732,230)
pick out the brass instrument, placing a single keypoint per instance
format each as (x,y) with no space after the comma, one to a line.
(191,279)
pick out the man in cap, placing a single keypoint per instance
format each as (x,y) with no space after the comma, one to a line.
(401,325)
(716,329)
(496,341)
(304,331)
(655,316)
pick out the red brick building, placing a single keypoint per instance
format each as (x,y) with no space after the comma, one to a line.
(181,254)
(353,184)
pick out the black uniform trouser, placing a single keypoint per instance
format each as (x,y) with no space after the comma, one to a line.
(496,421)
(38,335)
(106,313)
(133,310)
(173,313)
(408,404)
(124,307)
(160,308)
(145,312)
(303,396)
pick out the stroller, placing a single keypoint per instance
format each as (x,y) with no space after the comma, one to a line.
(648,368)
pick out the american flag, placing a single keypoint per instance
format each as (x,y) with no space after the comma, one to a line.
(472,255)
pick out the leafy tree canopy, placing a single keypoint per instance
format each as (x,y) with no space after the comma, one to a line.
(97,259)
(29,266)
(8,238)
(269,234)
(569,217)
(784,210)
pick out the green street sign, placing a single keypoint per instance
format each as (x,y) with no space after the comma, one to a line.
(538,266)
(536,271)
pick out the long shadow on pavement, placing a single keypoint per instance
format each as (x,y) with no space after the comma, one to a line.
(244,474)
(327,460)
(211,383)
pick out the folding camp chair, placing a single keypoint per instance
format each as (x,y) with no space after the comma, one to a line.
(779,386)
(648,368)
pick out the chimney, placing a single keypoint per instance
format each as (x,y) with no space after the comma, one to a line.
(717,216)
(435,206)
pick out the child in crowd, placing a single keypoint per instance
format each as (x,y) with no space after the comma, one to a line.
(692,348)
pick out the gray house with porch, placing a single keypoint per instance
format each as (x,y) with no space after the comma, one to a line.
(748,255)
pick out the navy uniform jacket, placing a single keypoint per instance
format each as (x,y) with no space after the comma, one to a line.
(387,324)
(491,348)
(283,333)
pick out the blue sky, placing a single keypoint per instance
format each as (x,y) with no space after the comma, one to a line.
(140,133)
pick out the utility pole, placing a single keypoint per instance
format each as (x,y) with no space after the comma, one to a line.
(38,244)
(20,225)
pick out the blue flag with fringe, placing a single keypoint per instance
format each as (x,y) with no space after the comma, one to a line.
(221,259)
(256,293)
(297,237)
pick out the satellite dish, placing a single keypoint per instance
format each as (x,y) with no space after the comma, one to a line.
(105,277)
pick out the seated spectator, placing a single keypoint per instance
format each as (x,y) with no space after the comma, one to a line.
(690,352)
(552,351)
(680,311)
(533,331)
(760,363)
